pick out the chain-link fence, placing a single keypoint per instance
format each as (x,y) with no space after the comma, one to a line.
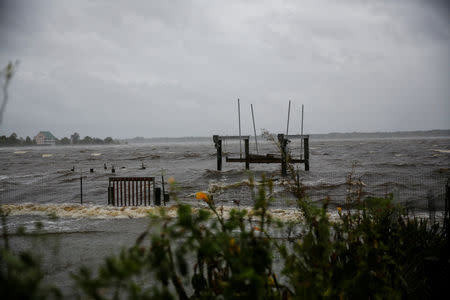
(417,192)
(62,188)
(420,192)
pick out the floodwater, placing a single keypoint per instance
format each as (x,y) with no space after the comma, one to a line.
(38,185)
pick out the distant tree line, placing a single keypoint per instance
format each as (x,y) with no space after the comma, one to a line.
(74,139)
(14,140)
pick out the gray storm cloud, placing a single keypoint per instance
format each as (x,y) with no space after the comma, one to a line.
(160,68)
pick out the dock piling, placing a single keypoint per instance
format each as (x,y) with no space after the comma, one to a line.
(218,144)
(283,144)
(247,154)
(306,152)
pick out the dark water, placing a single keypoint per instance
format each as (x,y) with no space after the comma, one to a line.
(412,169)
(402,166)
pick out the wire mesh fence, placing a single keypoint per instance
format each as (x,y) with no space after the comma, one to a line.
(417,192)
(420,192)
(66,188)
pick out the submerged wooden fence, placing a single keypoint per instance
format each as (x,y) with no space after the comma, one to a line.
(131,191)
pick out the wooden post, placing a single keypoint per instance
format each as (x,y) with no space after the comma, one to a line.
(157,200)
(111,195)
(218,144)
(109,192)
(306,153)
(81,188)
(283,142)
(247,154)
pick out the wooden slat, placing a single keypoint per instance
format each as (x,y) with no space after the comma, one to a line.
(140,193)
(131,178)
(132,190)
(121,193)
(263,160)
(128,193)
(145,194)
(296,136)
(233,137)
(116,188)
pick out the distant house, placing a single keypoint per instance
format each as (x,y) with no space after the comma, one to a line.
(45,138)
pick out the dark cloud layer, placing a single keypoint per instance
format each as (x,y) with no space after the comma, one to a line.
(160,68)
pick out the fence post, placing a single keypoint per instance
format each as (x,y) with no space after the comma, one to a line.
(81,187)
(157,200)
(283,143)
(447,213)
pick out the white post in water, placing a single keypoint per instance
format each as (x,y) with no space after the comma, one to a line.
(289,113)
(254,128)
(239,116)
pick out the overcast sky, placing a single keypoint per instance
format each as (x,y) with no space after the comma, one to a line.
(176,68)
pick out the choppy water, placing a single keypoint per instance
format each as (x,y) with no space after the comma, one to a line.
(405,167)
(37,184)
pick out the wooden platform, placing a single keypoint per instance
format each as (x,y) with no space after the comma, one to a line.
(263,159)
(284,158)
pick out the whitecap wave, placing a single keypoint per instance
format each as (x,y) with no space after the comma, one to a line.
(442,150)
(111,212)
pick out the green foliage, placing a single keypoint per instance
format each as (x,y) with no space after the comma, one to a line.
(375,250)
(21,277)
(21,272)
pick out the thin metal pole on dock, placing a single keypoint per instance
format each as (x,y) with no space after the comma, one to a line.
(254,129)
(239,116)
(289,113)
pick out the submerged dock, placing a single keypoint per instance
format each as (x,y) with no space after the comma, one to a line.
(249,158)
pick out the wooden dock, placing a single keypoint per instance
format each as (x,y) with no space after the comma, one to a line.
(283,158)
